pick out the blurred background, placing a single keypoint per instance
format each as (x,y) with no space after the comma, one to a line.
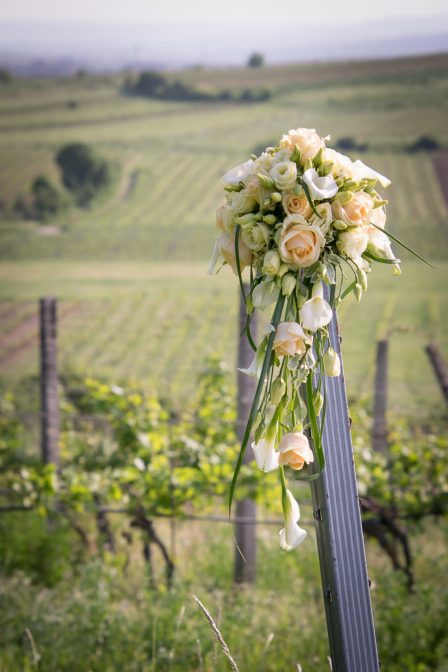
(117,121)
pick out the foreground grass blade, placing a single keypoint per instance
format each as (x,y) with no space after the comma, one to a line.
(265,368)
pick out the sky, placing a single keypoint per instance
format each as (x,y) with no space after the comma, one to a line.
(108,34)
(258,11)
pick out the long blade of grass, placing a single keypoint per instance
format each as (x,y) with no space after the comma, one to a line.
(264,370)
(399,242)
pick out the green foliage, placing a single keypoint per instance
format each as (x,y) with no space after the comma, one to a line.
(46,198)
(270,627)
(256,60)
(425,143)
(83,172)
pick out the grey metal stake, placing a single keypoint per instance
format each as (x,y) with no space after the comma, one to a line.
(340,540)
(245,535)
(49,382)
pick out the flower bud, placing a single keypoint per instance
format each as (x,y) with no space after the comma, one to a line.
(332,363)
(284,268)
(318,402)
(317,160)
(278,389)
(378,202)
(270,219)
(245,219)
(358,291)
(344,197)
(266,181)
(307,164)
(271,262)
(350,185)
(288,284)
(339,225)
(362,279)
(266,202)
(276,197)
(258,216)
(326,168)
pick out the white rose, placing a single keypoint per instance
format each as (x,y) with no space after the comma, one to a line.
(284,175)
(256,236)
(242,202)
(353,243)
(308,141)
(238,174)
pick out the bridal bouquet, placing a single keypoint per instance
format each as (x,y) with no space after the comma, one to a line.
(308,223)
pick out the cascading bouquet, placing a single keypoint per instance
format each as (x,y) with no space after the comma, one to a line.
(309,223)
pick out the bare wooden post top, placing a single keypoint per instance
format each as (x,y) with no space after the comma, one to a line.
(245,535)
(340,540)
(49,381)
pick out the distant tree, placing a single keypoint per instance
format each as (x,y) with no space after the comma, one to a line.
(5,76)
(149,83)
(348,144)
(46,198)
(424,144)
(83,172)
(256,60)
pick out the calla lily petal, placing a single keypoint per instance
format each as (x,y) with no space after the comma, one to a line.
(361,171)
(320,187)
(292,535)
(265,454)
(316,312)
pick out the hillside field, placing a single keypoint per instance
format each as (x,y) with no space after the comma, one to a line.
(130,272)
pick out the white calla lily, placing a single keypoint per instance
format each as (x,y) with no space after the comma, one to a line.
(292,535)
(316,312)
(238,174)
(320,187)
(264,294)
(256,365)
(265,454)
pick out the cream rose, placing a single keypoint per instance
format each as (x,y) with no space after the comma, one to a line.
(308,141)
(353,243)
(356,211)
(284,175)
(294,204)
(300,243)
(295,451)
(256,236)
(290,339)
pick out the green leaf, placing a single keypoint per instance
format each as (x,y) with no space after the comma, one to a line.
(237,258)
(382,260)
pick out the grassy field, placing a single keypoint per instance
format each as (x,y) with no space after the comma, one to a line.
(130,272)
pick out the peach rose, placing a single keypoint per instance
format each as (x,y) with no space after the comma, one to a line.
(308,141)
(356,211)
(300,243)
(226,244)
(296,205)
(290,339)
(295,451)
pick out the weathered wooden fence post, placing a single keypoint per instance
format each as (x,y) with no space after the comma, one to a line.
(439,367)
(49,382)
(340,540)
(379,431)
(245,533)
